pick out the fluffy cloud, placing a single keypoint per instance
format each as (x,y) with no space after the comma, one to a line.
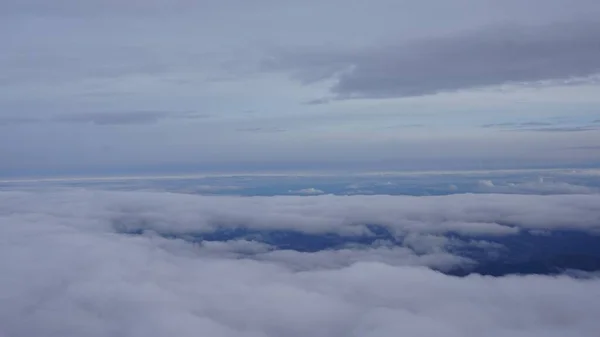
(66,273)
(492,214)
(308,191)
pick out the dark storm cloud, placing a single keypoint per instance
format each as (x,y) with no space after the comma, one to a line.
(477,58)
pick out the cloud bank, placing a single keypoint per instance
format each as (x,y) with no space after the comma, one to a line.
(68,271)
(477,214)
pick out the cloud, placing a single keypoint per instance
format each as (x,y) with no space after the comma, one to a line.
(15,120)
(103,118)
(539,187)
(125,117)
(516,125)
(467,214)
(380,251)
(67,272)
(342,258)
(492,56)
(194,189)
(261,129)
(541,127)
(586,147)
(307,191)
(318,101)
(564,129)
(486,183)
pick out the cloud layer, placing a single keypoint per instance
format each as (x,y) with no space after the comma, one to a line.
(493,214)
(466,214)
(490,56)
(67,271)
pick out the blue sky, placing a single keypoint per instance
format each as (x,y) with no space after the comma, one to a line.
(106,87)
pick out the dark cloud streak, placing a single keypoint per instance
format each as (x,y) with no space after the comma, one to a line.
(492,56)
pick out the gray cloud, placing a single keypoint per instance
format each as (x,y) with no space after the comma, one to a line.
(104,118)
(16,120)
(477,58)
(499,125)
(318,101)
(130,117)
(261,129)
(587,147)
(340,258)
(97,57)
(513,125)
(541,127)
(380,251)
(404,126)
(564,129)
(66,272)
(126,117)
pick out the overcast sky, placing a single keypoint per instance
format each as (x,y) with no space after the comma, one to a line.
(104,87)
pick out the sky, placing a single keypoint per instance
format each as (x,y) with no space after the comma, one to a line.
(132,87)
(299,168)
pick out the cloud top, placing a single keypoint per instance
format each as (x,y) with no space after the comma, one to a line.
(67,272)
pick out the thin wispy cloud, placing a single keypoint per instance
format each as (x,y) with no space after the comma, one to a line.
(540,127)
(261,129)
(563,129)
(524,124)
(127,117)
(105,118)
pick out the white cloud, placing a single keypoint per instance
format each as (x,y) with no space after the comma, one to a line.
(66,272)
(307,191)
(486,183)
(493,214)
(539,186)
(381,252)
